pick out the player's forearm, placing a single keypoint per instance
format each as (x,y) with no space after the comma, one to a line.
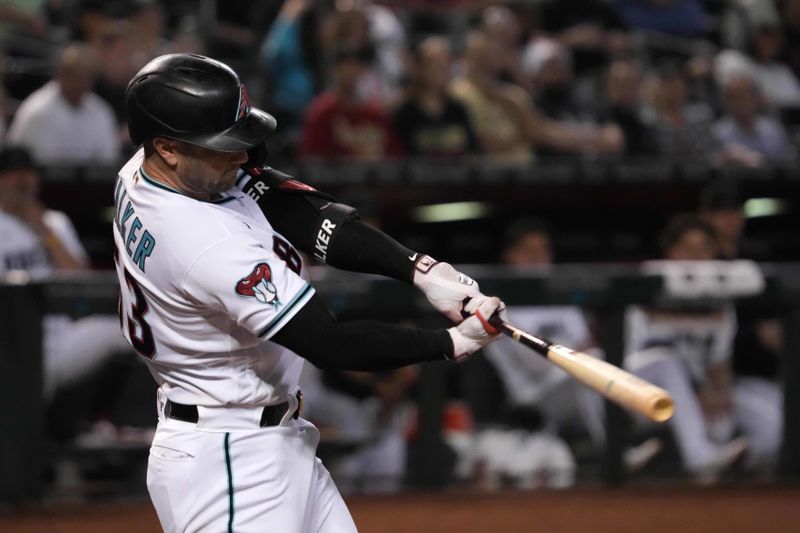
(362,248)
(359,345)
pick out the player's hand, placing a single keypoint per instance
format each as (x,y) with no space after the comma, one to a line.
(475,332)
(445,287)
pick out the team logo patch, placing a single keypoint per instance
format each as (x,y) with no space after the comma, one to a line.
(244,102)
(258,284)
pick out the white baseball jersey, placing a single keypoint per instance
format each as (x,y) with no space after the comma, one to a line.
(204,285)
(700,338)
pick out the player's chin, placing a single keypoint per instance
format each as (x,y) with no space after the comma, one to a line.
(228,180)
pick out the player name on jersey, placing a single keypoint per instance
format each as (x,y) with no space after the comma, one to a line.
(145,242)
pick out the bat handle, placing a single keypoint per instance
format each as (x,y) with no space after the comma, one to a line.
(539,345)
(497,322)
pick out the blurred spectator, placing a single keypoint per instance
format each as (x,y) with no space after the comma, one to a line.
(91,20)
(592,29)
(26,17)
(533,385)
(761,56)
(790,18)
(377,31)
(686,18)
(532,381)
(115,53)
(340,124)
(499,111)
(548,67)
(389,38)
(230,26)
(722,207)
(506,123)
(681,129)
(430,122)
(39,242)
(759,342)
(745,126)
(148,29)
(766,46)
(284,57)
(688,353)
(502,27)
(5,112)
(740,17)
(367,413)
(64,122)
(623,106)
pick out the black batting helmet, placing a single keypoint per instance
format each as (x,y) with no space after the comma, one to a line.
(197,100)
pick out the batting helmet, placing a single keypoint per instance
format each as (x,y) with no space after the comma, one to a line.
(197,100)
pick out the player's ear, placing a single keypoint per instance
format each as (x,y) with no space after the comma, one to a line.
(168,150)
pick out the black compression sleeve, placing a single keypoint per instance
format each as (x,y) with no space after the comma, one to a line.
(362,248)
(354,246)
(366,345)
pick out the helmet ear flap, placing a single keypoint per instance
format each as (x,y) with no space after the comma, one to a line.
(256,156)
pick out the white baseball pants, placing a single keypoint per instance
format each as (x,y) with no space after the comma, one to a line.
(243,480)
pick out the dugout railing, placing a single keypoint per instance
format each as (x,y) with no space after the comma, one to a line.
(605,290)
(598,210)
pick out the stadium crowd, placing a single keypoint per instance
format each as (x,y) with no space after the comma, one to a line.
(510,80)
(514,82)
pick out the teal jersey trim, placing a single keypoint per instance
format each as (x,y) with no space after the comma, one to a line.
(155,183)
(299,299)
(240,178)
(223,200)
(229,468)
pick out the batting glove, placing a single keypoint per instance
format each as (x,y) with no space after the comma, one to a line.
(445,287)
(475,332)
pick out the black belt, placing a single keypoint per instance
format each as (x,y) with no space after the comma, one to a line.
(270,416)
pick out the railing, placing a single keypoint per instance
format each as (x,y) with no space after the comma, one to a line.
(482,170)
(604,289)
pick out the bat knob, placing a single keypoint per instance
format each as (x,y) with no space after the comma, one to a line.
(495,320)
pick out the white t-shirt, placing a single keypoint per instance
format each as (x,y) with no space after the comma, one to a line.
(21,248)
(57,132)
(204,285)
(699,338)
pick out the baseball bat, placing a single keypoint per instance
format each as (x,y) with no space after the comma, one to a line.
(617,385)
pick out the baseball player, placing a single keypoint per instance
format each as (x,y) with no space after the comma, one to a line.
(39,242)
(687,352)
(215,297)
(532,381)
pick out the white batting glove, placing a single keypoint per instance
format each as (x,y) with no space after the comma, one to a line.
(445,287)
(475,332)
